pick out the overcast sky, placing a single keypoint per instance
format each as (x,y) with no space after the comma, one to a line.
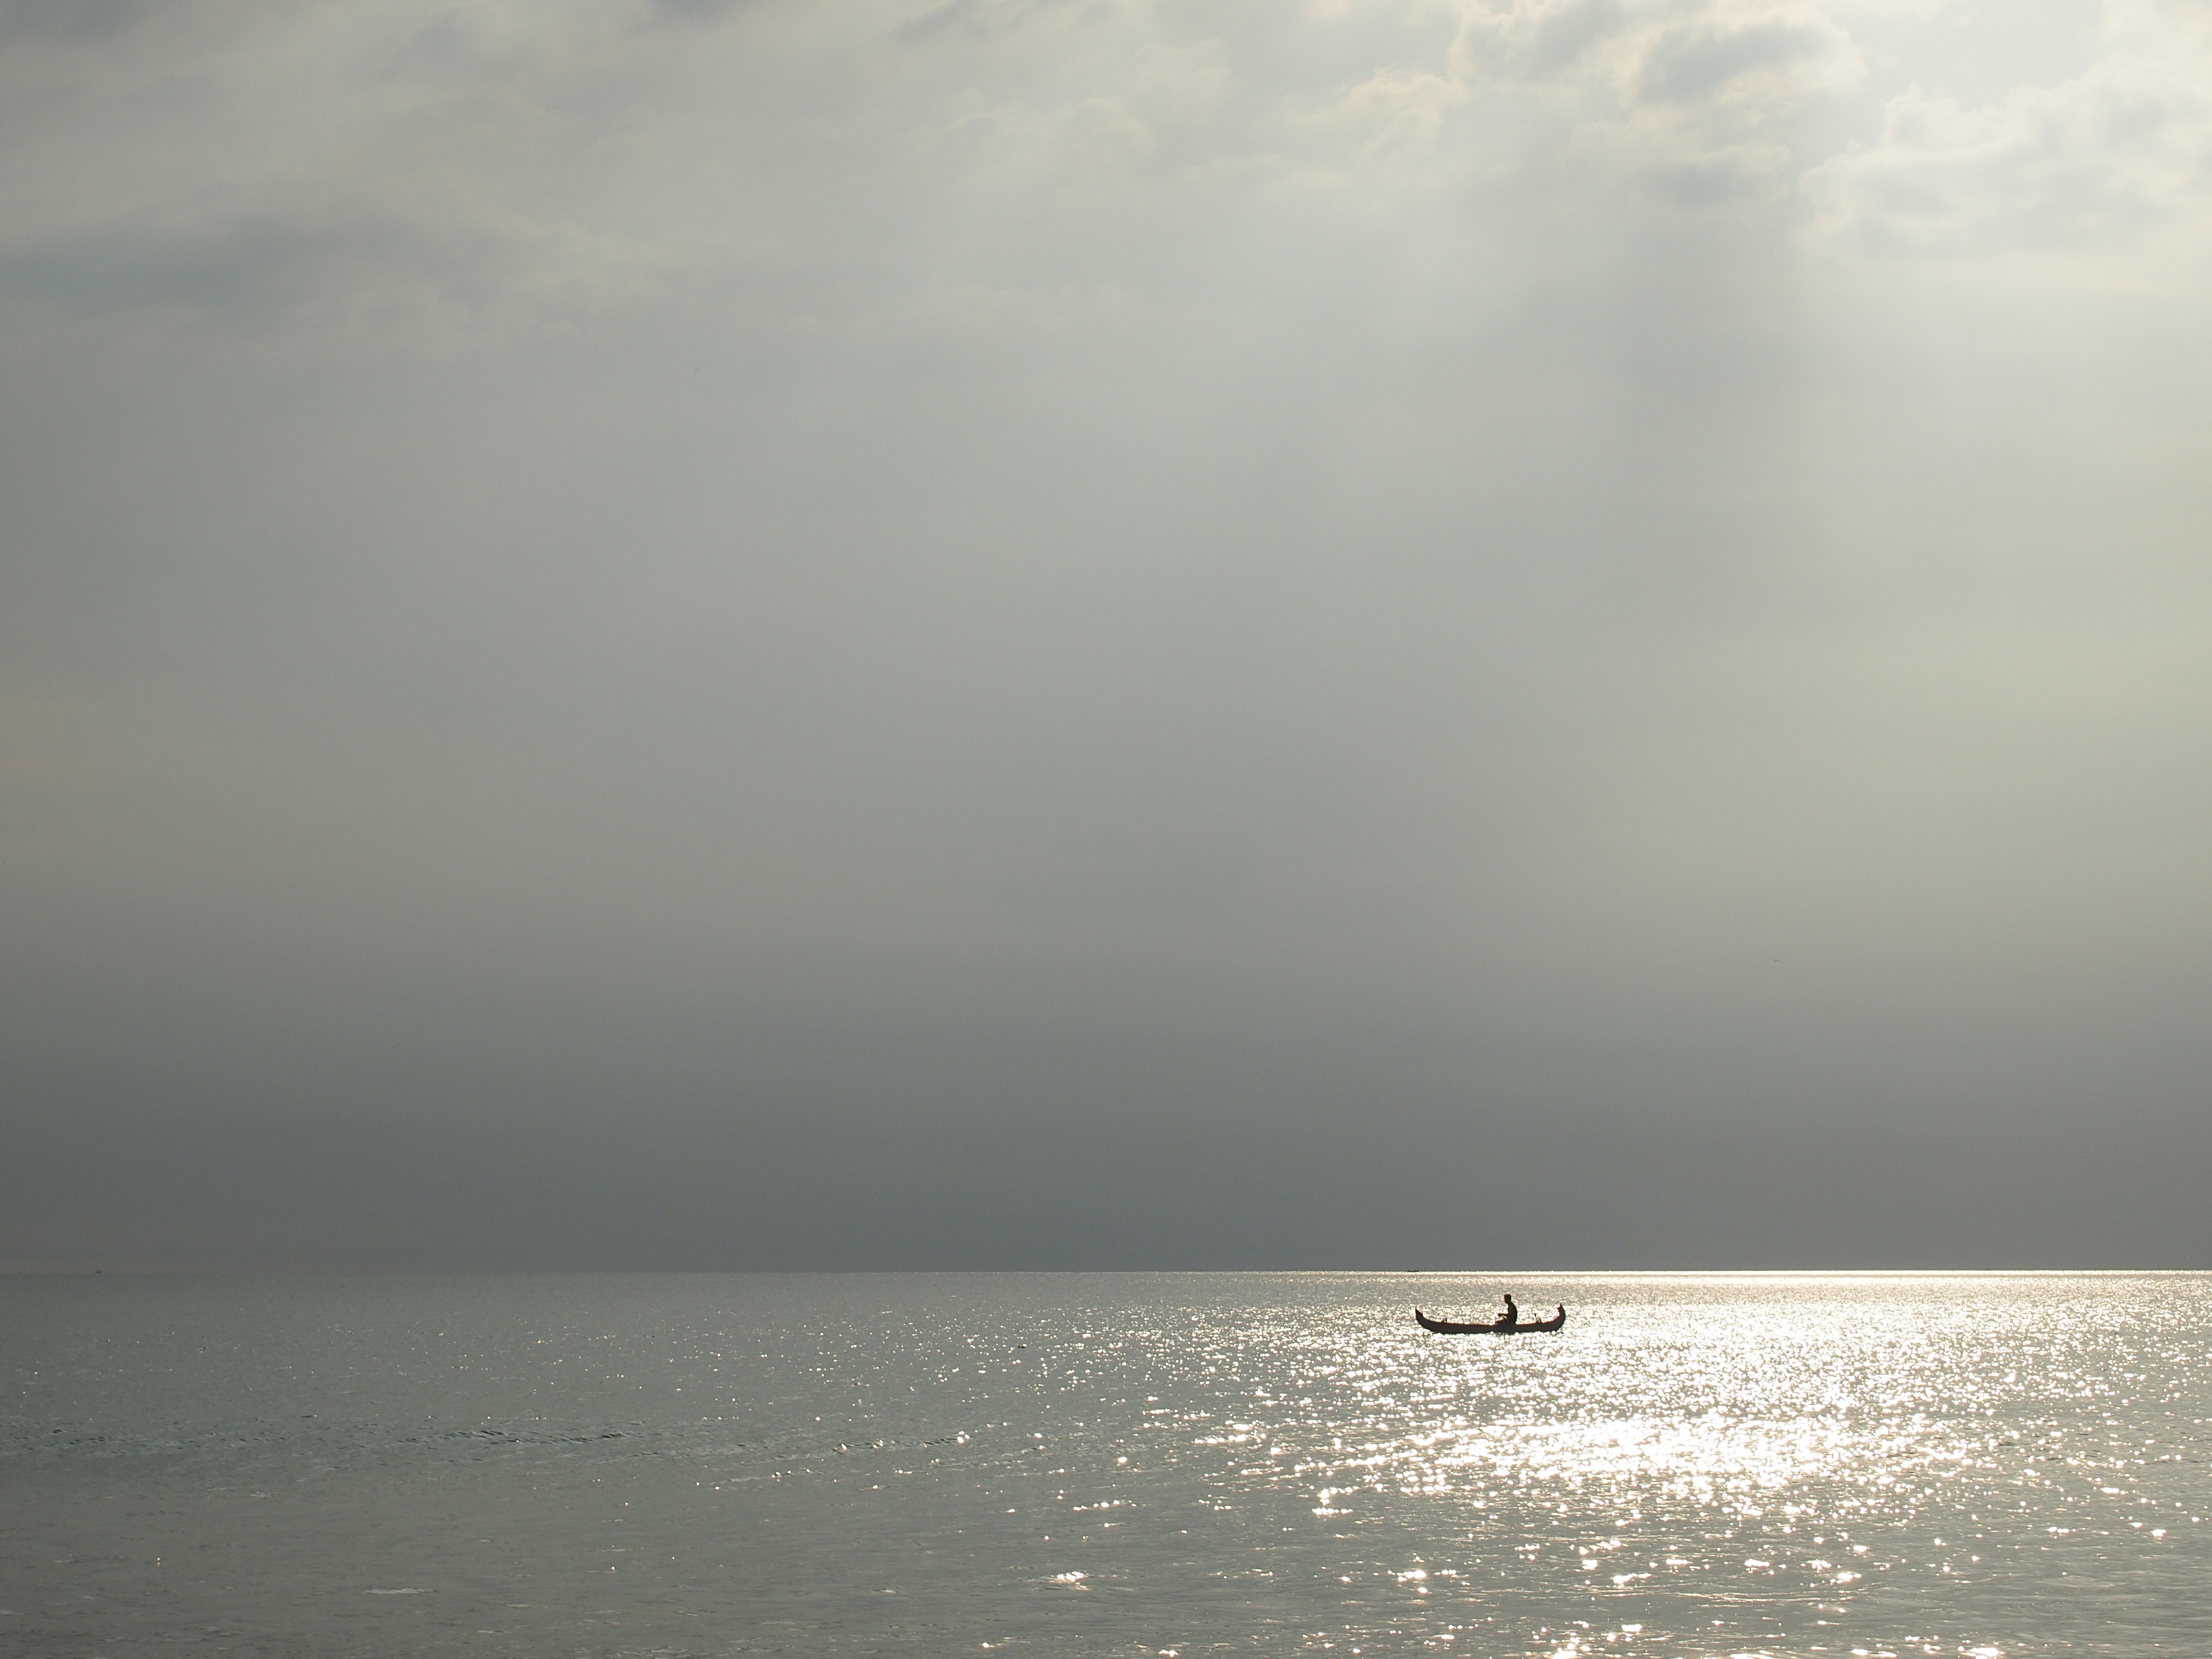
(1086,633)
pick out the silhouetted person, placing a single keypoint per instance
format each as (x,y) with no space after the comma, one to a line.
(1512,1313)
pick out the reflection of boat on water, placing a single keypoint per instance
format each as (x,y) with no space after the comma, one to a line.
(1446,1328)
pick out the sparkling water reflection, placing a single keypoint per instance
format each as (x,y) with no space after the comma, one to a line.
(1696,1465)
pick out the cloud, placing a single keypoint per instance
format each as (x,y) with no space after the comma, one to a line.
(72,19)
(1700,100)
(1730,53)
(1760,60)
(2096,161)
(1122,116)
(1027,25)
(369,278)
(702,10)
(1395,116)
(1537,40)
(970,308)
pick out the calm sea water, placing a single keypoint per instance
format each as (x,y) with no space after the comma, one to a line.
(1119,1464)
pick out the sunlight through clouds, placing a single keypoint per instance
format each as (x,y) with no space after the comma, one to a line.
(930,595)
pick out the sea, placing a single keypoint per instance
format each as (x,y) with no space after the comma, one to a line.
(1983,1464)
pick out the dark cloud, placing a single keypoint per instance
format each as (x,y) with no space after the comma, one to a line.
(956,20)
(1564,32)
(250,273)
(703,11)
(367,277)
(76,20)
(1693,63)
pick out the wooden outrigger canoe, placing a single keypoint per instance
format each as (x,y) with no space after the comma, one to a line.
(1446,1327)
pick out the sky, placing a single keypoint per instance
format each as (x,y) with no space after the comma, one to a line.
(1105,633)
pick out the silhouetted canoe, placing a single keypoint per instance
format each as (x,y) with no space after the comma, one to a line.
(1446,1328)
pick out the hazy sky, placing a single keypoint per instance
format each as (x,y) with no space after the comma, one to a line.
(1086,633)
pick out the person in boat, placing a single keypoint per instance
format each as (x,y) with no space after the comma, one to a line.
(1512,1313)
